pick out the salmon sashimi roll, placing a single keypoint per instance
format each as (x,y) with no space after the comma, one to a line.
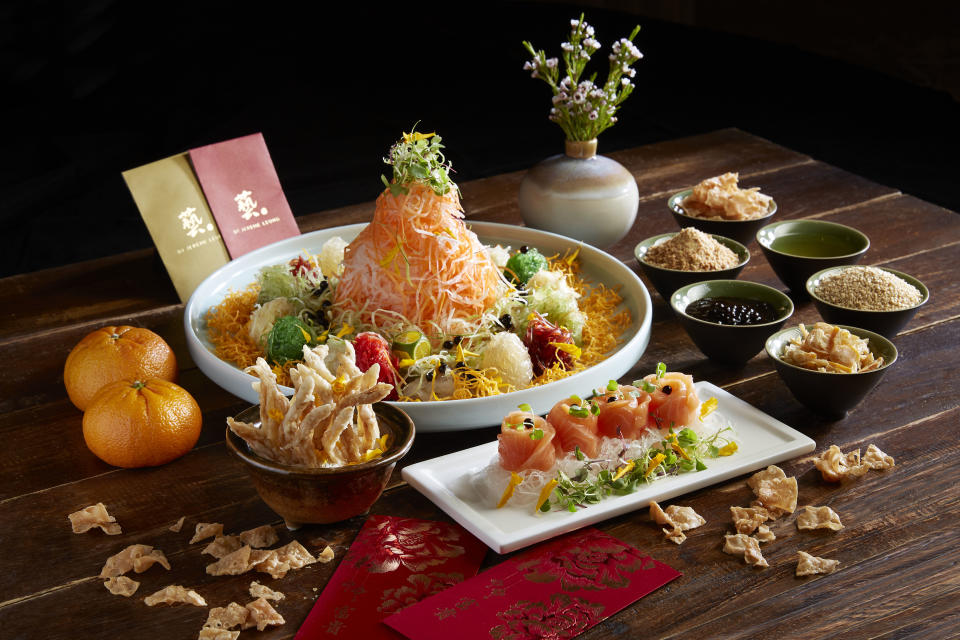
(575,430)
(526,441)
(624,412)
(675,403)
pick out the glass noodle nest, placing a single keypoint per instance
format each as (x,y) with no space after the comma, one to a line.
(604,326)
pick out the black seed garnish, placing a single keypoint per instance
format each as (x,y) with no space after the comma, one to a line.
(667,389)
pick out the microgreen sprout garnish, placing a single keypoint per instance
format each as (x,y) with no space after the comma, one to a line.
(661,370)
(418,158)
(525,407)
(536,434)
(579,454)
(679,452)
(612,385)
(582,108)
(575,400)
(647,386)
(594,408)
(578,411)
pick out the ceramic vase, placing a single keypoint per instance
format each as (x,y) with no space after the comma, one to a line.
(581,195)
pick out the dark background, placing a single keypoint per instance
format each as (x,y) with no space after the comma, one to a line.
(94,88)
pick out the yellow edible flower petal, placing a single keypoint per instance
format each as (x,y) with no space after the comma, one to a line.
(625,469)
(406,362)
(344,330)
(339,385)
(387,259)
(545,494)
(728,449)
(416,135)
(508,492)
(654,463)
(276,414)
(572,349)
(573,256)
(708,407)
(306,334)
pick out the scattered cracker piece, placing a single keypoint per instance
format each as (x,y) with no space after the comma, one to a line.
(811,517)
(176,526)
(295,554)
(741,544)
(258,590)
(326,555)
(95,516)
(208,633)
(206,530)
(764,534)
(175,594)
(222,546)
(747,519)
(808,565)
(262,615)
(232,564)
(259,537)
(773,512)
(834,465)
(876,459)
(774,489)
(679,519)
(228,617)
(122,586)
(138,557)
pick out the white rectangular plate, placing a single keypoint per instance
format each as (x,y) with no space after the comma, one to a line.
(762,441)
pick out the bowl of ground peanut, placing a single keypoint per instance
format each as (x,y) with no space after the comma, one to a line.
(875,298)
(674,260)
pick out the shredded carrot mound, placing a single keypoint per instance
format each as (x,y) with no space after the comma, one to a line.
(419,259)
(227,327)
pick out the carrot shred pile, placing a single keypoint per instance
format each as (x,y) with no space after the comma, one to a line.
(418,258)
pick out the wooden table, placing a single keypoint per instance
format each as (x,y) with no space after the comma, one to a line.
(898,551)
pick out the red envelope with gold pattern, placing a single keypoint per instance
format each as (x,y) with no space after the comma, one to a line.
(556,590)
(393,563)
(244,193)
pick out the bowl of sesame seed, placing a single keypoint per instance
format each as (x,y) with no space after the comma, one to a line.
(876,298)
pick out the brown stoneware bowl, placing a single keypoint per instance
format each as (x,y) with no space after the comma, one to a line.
(329,494)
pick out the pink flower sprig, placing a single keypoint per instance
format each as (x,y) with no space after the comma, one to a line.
(582,108)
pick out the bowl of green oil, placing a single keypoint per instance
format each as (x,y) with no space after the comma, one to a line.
(796,249)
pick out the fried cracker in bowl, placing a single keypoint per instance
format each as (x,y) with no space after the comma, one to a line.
(326,453)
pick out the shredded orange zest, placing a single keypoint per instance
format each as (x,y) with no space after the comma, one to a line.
(625,469)
(728,449)
(708,407)
(654,463)
(545,494)
(508,492)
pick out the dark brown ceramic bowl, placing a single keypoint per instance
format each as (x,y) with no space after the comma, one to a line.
(302,495)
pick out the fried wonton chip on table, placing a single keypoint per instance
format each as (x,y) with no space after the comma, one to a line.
(121,586)
(256,538)
(206,530)
(326,555)
(748,519)
(876,459)
(262,615)
(743,545)
(835,465)
(94,516)
(229,617)
(175,594)
(679,519)
(258,590)
(209,633)
(808,565)
(176,526)
(811,517)
(774,490)
(138,557)
(329,419)
(275,562)
(764,534)
(232,564)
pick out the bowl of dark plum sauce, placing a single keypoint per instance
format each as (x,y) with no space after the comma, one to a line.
(730,320)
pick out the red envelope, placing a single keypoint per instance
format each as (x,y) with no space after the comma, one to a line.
(393,563)
(556,590)
(244,193)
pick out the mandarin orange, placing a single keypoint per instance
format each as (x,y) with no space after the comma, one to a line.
(133,423)
(116,353)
